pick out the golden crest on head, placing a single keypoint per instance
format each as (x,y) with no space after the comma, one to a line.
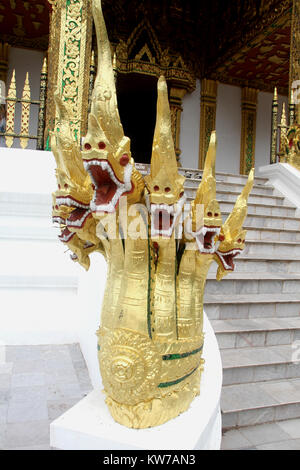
(232,236)
(165,184)
(106,150)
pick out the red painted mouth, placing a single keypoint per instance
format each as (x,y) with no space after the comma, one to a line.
(162,220)
(108,188)
(208,240)
(105,187)
(66,235)
(227,260)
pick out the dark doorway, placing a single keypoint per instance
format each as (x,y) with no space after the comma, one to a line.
(137,96)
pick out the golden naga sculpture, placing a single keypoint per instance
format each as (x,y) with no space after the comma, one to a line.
(150,339)
(290,142)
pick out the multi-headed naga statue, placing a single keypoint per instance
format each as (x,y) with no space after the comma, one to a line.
(150,339)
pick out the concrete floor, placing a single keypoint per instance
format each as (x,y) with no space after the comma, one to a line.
(282,435)
(39,383)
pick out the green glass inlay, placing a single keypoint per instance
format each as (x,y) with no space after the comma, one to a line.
(175,382)
(171,357)
(98,347)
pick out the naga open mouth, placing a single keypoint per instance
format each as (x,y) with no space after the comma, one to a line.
(164,217)
(227,258)
(107,187)
(66,235)
(78,217)
(205,239)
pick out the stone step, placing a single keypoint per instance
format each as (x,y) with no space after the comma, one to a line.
(258,332)
(237,188)
(247,306)
(261,402)
(254,283)
(43,282)
(20,204)
(277,234)
(268,221)
(261,209)
(220,176)
(231,196)
(271,248)
(255,364)
(36,257)
(261,263)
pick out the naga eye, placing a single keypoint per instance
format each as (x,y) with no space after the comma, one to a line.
(167,190)
(181,194)
(56,207)
(221,238)
(87,146)
(101,145)
(66,186)
(59,186)
(156,188)
(124,160)
(239,240)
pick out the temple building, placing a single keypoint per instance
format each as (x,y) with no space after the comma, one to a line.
(222,61)
(230,66)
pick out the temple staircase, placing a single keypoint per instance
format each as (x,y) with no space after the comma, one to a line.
(255,311)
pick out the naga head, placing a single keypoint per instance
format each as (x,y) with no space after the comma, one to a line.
(106,150)
(232,236)
(71,201)
(164,186)
(206,219)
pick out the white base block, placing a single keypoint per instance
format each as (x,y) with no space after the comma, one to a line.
(89,426)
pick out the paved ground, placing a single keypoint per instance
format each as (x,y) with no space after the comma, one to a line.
(38,384)
(282,435)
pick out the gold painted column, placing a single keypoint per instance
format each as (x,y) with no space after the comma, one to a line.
(295,54)
(4,54)
(209,89)
(69,57)
(175,99)
(248,134)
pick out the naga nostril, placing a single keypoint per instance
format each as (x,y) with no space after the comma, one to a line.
(124,160)
(101,145)
(156,188)
(87,146)
(167,190)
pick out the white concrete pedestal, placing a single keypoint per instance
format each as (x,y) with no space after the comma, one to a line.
(89,425)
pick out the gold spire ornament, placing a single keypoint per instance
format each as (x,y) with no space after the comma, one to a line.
(150,338)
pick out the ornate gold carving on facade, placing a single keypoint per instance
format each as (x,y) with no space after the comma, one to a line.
(274,123)
(209,89)
(25,113)
(295,49)
(69,61)
(4,54)
(42,107)
(248,132)
(175,99)
(150,59)
(10,110)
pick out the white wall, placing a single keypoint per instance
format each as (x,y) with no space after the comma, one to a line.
(190,129)
(22,61)
(228,127)
(263,126)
